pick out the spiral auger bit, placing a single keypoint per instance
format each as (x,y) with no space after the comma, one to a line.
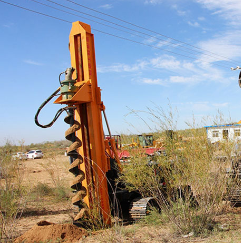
(75,160)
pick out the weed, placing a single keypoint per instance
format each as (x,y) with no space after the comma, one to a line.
(188,183)
(154,218)
(12,194)
(61,193)
(60,190)
(42,189)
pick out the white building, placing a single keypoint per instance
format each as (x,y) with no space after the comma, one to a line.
(230,132)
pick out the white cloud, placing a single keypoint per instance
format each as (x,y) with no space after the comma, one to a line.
(158,42)
(150,40)
(153,81)
(166,62)
(32,62)
(222,44)
(218,105)
(228,9)
(193,24)
(201,19)
(172,71)
(152,1)
(179,11)
(189,66)
(184,79)
(161,62)
(106,6)
(120,67)
(164,43)
(187,72)
(188,80)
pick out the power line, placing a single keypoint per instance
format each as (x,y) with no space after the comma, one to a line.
(101,24)
(106,24)
(173,44)
(138,26)
(96,29)
(64,6)
(85,18)
(123,38)
(30,10)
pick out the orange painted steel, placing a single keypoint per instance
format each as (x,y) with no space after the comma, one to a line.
(88,105)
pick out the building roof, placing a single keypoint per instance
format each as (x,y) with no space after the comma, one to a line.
(226,125)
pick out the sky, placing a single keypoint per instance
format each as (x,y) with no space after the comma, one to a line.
(156,59)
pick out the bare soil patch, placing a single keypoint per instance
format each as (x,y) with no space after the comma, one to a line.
(46,170)
(45,231)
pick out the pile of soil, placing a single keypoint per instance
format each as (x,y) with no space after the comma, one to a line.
(45,231)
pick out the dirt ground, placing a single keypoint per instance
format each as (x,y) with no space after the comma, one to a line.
(50,171)
(46,170)
(47,221)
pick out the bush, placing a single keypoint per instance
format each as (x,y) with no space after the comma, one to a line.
(12,194)
(42,189)
(188,183)
(61,193)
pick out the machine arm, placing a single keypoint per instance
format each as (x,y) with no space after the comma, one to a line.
(88,151)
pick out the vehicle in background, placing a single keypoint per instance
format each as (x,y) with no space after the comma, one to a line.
(35,154)
(20,155)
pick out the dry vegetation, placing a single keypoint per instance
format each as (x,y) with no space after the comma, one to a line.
(194,186)
(32,189)
(192,200)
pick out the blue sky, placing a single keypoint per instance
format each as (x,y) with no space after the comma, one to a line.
(182,60)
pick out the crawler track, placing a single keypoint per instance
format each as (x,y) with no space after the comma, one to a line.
(140,207)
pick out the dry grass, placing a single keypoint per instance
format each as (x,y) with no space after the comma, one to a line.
(195,181)
(196,215)
(152,230)
(29,188)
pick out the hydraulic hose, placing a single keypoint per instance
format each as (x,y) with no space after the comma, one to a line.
(59,112)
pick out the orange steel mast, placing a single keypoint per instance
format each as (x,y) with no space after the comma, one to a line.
(91,146)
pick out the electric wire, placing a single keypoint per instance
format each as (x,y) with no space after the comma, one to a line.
(15,5)
(141,27)
(85,18)
(123,38)
(30,10)
(131,33)
(169,44)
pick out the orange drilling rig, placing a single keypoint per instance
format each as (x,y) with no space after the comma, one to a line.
(93,157)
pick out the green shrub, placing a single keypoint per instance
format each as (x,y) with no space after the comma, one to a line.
(42,189)
(194,181)
(61,193)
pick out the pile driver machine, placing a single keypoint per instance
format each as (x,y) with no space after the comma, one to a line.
(93,156)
